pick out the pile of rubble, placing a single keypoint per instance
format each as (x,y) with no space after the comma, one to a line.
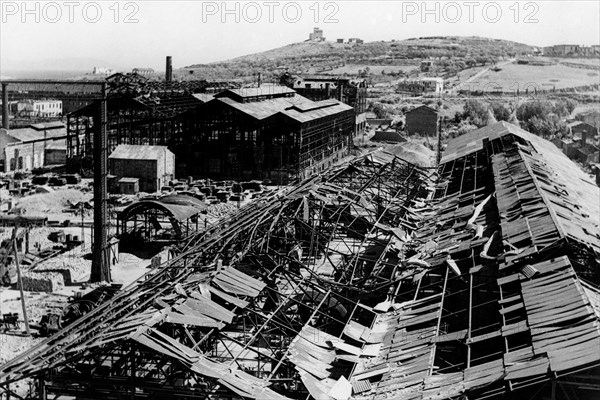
(414,152)
(52,204)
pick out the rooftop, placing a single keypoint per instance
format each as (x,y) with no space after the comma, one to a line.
(37,132)
(478,280)
(138,152)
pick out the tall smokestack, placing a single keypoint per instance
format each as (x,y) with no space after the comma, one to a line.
(583,138)
(259,79)
(169,70)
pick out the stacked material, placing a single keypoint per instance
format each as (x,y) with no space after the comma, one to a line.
(43,282)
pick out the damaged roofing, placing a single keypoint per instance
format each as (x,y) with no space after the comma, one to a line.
(376,279)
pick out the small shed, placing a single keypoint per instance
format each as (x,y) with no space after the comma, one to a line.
(129,185)
(422,120)
(153,166)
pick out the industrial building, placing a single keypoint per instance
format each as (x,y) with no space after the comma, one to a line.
(267,132)
(423,121)
(349,91)
(66,98)
(39,108)
(316,35)
(375,279)
(421,85)
(145,168)
(24,149)
(139,112)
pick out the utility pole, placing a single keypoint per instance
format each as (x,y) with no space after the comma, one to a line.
(438,153)
(15,250)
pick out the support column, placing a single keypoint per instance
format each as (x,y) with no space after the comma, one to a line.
(42,389)
(100,265)
(5,123)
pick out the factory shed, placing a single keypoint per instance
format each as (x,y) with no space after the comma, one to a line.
(152,166)
(376,279)
(24,149)
(266,132)
(139,112)
(163,221)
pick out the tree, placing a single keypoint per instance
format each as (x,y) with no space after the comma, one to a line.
(543,118)
(569,105)
(476,111)
(539,108)
(501,113)
(379,110)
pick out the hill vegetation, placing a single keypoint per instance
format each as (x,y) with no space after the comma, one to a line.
(452,53)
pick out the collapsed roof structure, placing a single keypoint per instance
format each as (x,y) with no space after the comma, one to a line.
(374,280)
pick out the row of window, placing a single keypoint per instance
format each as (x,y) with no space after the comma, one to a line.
(56,106)
(20,163)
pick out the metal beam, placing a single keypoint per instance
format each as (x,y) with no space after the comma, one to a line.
(100,262)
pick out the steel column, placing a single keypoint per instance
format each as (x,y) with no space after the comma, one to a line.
(100,266)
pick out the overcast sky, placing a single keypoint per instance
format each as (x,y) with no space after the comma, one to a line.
(141,33)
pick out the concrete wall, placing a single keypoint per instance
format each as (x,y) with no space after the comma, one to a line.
(5,140)
(56,156)
(166,168)
(153,174)
(144,170)
(24,156)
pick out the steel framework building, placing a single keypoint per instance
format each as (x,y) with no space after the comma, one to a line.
(139,111)
(268,132)
(374,280)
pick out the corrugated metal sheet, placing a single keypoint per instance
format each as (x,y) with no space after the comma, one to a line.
(139,152)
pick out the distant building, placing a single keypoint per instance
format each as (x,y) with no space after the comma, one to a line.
(422,120)
(24,149)
(39,108)
(579,129)
(591,117)
(153,166)
(561,50)
(426,65)
(349,91)
(103,71)
(421,85)
(340,40)
(316,35)
(355,40)
(143,71)
(587,153)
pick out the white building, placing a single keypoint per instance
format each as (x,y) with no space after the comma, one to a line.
(103,71)
(316,35)
(421,85)
(40,108)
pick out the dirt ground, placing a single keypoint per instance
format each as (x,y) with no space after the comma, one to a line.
(57,207)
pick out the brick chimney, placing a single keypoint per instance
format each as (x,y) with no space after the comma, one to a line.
(583,138)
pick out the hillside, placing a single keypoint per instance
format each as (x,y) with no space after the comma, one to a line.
(316,57)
